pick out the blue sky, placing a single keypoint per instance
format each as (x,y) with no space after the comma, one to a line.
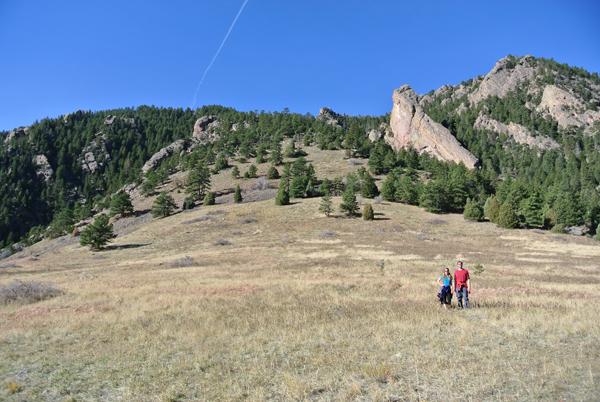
(60,56)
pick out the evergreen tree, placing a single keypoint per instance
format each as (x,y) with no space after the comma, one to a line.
(121,204)
(97,234)
(235,172)
(325,187)
(237,196)
(297,186)
(349,204)
(252,171)
(198,182)
(188,203)
(388,188)
(276,157)
(283,195)
(532,211)
(64,221)
(494,210)
(149,186)
(272,173)
(163,206)
(290,151)
(507,217)
(368,214)
(433,198)
(209,199)
(406,191)
(473,211)
(326,205)
(368,189)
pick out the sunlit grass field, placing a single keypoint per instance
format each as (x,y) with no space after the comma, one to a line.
(300,307)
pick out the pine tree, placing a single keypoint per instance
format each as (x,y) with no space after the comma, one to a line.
(507,217)
(252,171)
(494,210)
(388,188)
(237,197)
(368,189)
(297,187)
(368,214)
(198,182)
(121,204)
(473,211)
(149,186)
(209,199)
(163,206)
(325,187)
(97,234)
(326,205)
(235,172)
(272,173)
(349,204)
(532,211)
(406,192)
(276,157)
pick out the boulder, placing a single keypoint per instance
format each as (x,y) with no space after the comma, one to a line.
(378,133)
(16,134)
(43,168)
(565,108)
(90,154)
(328,116)
(204,130)
(411,127)
(162,154)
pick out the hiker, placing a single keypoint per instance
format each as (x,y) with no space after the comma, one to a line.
(445,281)
(462,283)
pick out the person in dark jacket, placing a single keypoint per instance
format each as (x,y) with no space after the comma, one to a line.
(445,281)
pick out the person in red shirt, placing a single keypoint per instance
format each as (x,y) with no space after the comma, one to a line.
(462,284)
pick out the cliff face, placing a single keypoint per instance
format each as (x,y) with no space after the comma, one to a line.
(411,127)
(566,109)
(517,132)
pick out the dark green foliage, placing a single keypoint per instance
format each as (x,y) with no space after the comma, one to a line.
(368,189)
(531,209)
(507,217)
(188,203)
(209,199)
(121,204)
(97,234)
(235,172)
(368,214)
(272,173)
(297,186)
(163,206)
(198,182)
(152,180)
(326,205)
(434,197)
(325,187)
(349,204)
(283,197)
(388,188)
(494,210)
(252,171)
(237,196)
(473,211)
(406,191)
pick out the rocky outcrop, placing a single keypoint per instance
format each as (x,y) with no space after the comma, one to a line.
(328,116)
(111,119)
(565,108)
(377,133)
(204,130)
(517,132)
(503,79)
(43,168)
(90,159)
(411,127)
(235,126)
(16,134)
(162,154)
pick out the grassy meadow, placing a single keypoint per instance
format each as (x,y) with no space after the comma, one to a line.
(253,302)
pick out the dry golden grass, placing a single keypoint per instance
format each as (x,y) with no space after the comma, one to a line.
(284,314)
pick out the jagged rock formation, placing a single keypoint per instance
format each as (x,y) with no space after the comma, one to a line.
(90,156)
(111,119)
(162,154)
(566,109)
(517,132)
(16,134)
(328,116)
(234,126)
(411,127)
(204,129)
(43,168)
(502,79)
(378,133)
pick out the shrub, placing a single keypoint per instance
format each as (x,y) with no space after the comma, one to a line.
(478,269)
(473,211)
(368,214)
(209,199)
(507,218)
(494,210)
(28,292)
(283,197)
(272,173)
(97,234)
(188,203)
(560,228)
(237,197)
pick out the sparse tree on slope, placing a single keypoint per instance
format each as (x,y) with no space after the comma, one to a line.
(97,234)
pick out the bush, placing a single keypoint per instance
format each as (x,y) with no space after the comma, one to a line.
(209,199)
(560,228)
(188,203)
(28,292)
(237,197)
(97,234)
(507,218)
(473,211)
(272,173)
(368,214)
(494,210)
(283,197)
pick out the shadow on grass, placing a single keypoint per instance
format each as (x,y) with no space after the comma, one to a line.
(125,246)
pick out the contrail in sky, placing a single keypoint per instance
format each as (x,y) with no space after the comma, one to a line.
(220,47)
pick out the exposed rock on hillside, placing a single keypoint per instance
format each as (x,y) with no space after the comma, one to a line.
(565,108)
(91,157)
(204,129)
(503,79)
(111,119)
(162,154)
(328,116)
(411,127)
(16,134)
(520,134)
(377,134)
(43,168)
